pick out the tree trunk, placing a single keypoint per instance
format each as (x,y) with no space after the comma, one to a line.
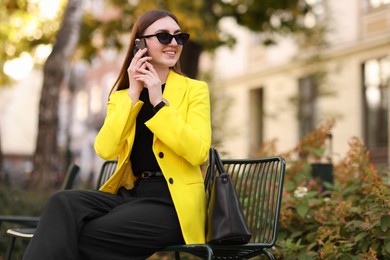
(47,156)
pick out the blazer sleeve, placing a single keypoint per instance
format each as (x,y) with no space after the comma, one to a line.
(189,135)
(118,125)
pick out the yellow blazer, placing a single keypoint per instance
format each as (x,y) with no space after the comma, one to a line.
(182,138)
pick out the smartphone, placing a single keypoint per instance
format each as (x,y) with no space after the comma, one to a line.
(140,44)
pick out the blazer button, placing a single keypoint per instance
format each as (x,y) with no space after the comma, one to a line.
(170,180)
(161,155)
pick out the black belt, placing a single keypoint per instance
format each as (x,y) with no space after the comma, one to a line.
(149,174)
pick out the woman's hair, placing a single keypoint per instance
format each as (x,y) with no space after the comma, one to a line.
(138,30)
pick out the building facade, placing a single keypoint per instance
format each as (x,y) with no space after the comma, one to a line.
(284,91)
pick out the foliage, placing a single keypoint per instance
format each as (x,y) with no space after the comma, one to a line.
(350,220)
(270,17)
(25,28)
(258,16)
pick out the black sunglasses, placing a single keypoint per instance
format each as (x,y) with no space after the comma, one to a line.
(166,38)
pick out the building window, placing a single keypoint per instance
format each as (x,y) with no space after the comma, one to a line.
(257,119)
(307,105)
(376,81)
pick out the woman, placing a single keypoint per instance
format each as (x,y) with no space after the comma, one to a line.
(158,127)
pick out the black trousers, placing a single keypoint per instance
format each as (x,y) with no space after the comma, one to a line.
(132,224)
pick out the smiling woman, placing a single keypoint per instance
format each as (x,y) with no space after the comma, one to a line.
(158,128)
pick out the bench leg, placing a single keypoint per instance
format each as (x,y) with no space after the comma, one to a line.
(177,255)
(10,248)
(209,253)
(269,254)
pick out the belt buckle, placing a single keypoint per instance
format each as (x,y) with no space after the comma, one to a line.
(145,175)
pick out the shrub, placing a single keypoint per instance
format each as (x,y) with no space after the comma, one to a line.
(350,219)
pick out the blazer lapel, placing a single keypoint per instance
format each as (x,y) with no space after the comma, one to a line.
(175,88)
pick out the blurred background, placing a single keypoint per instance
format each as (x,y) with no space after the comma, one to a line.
(276,70)
(305,79)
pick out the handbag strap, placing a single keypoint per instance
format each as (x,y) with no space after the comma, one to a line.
(215,165)
(210,173)
(215,168)
(218,163)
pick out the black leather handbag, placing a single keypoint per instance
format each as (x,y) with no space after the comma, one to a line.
(225,221)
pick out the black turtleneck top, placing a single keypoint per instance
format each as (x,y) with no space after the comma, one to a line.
(142,157)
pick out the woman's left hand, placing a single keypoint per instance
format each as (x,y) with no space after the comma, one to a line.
(151,81)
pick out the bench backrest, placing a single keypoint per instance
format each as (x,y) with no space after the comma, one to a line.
(108,168)
(70,177)
(259,186)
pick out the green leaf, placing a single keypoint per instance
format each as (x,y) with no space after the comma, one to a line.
(360,236)
(355,209)
(354,224)
(318,151)
(387,245)
(289,186)
(372,224)
(328,185)
(312,194)
(350,188)
(302,210)
(296,234)
(385,222)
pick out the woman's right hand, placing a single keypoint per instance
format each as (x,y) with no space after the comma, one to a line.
(135,86)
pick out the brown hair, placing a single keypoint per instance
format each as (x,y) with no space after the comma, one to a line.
(143,22)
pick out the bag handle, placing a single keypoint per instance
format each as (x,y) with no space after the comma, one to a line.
(215,167)
(210,173)
(218,163)
(215,162)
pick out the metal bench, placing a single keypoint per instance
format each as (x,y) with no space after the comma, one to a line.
(259,185)
(30,222)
